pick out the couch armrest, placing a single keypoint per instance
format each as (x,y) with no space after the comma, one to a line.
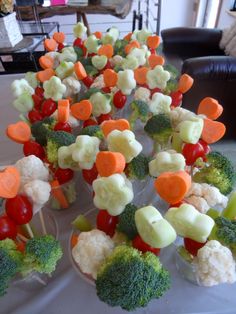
(189,42)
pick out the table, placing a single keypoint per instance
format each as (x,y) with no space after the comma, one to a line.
(67,293)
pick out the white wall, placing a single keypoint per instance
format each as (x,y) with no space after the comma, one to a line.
(225,20)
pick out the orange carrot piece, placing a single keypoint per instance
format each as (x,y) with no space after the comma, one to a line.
(212,131)
(19,132)
(109,163)
(106,50)
(173,186)
(109,125)
(82,110)
(210,108)
(140,75)
(185,83)
(80,70)
(98,35)
(110,77)
(153,41)
(45,75)
(128,36)
(59,37)
(46,62)
(154,60)
(9,182)
(50,44)
(74,240)
(63,110)
(133,44)
(58,194)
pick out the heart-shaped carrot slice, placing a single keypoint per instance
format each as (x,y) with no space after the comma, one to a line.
(154,60)
(210,108)
(110,77)
(9,182)
(106,50)
(109,125)
(45,75)
(59,37)
(109,163)
(19,132)
(140,75)
(173,186)
(212,131)
(153,41)
(50,44)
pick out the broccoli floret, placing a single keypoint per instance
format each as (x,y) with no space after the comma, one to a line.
(140,111)
(218,171)
(138,167)
(41,129)
(89,93)
(92,130)
(131,279)
(226,231)
(56,139)
(42,253)
(119,47)
(10,263)
(126,222)
(158,127)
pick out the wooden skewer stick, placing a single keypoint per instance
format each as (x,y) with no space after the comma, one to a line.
(29,230)
(42,222)
(22,238)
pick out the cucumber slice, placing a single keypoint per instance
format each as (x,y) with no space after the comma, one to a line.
(82,223)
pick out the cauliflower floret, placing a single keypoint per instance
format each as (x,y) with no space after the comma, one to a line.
(91,250)
(179,114)
(195,189)
(116,60)
(160,103)
(215,264)
(198,202)
(38,192)
(98,82)
(125,143)
(213,195)
(32,168)
(143,94)
(53,88)
(157,77)
(126,82)
(73,86)
(101,104)
(113,193)
(55,56)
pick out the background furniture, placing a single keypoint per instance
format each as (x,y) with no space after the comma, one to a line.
(196,51)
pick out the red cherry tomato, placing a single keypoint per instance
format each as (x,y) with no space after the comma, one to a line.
(60,46)
(119,99)
(107,66)
(8,228)
(78,42)
(19,209)
(61,126)
(192,152)
(155,90)
(34,116)
(142,246)
(90,175)
(92,54)
(33,148)
(39,91)
(106,89)
(176,98)
(48,107)
(106,222)
(88,81)
(104,117)
(89,122)
(37,101)
(64,175)
(192,246)
(205,146)
(176,204)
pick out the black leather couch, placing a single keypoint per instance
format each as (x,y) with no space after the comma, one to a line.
(196,51)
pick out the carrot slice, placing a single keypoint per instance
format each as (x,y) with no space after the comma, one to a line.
(210,108)
(82,110)
(58,194)
(98,35)
(50,44)
(63,110)
(74,240)
(128,36)
(140,75)
(9,182)
(185,83)
(46,62)
(154,60)
(133,44)
(45,75)
(108,163)
(19,132)
(153,41)
(212,131)
(110,77)
(80,70)
(109,125)
(106,50)
(173,186)
(59,37)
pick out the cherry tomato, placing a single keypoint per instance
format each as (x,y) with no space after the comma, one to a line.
(155,90)
(153,51)
(64,175)
(89,122)
(92,54)
(61,126)
(176,204)
(60,46)
(192,152)
(205,146)
(107,66)
(106,222)
(8,228)
(90,175)
(37,101)
(119,99)
(192,246)
(19,209)
(176,98)
(48,107)
(104,117)
(34,116)
(142,246)
(33,148)
(106,89)
(78,42)
(39,91)
(88,81)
